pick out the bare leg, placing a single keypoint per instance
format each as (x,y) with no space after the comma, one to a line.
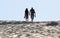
(32,20)
(26,20)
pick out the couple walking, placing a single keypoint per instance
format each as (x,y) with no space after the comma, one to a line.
(31,14)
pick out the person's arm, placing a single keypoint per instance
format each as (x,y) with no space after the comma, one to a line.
(35,14)
(24,15)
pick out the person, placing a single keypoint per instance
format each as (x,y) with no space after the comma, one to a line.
(33,14)
(26,14)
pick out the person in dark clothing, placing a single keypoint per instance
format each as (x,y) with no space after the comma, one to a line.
(26,14)
(32,11)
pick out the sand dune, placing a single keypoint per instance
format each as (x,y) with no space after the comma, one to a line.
(22,29)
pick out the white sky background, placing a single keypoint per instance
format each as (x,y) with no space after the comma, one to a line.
(46,10)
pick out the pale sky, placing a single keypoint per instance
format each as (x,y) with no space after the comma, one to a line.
(46,10)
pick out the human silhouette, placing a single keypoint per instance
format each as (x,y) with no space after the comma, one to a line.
(33,14)
(26,14)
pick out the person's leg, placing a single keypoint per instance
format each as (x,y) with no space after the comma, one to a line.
(32,17)
(26,18)
(32,20)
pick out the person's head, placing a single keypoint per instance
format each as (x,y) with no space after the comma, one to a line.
(31,7)
(26,8)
